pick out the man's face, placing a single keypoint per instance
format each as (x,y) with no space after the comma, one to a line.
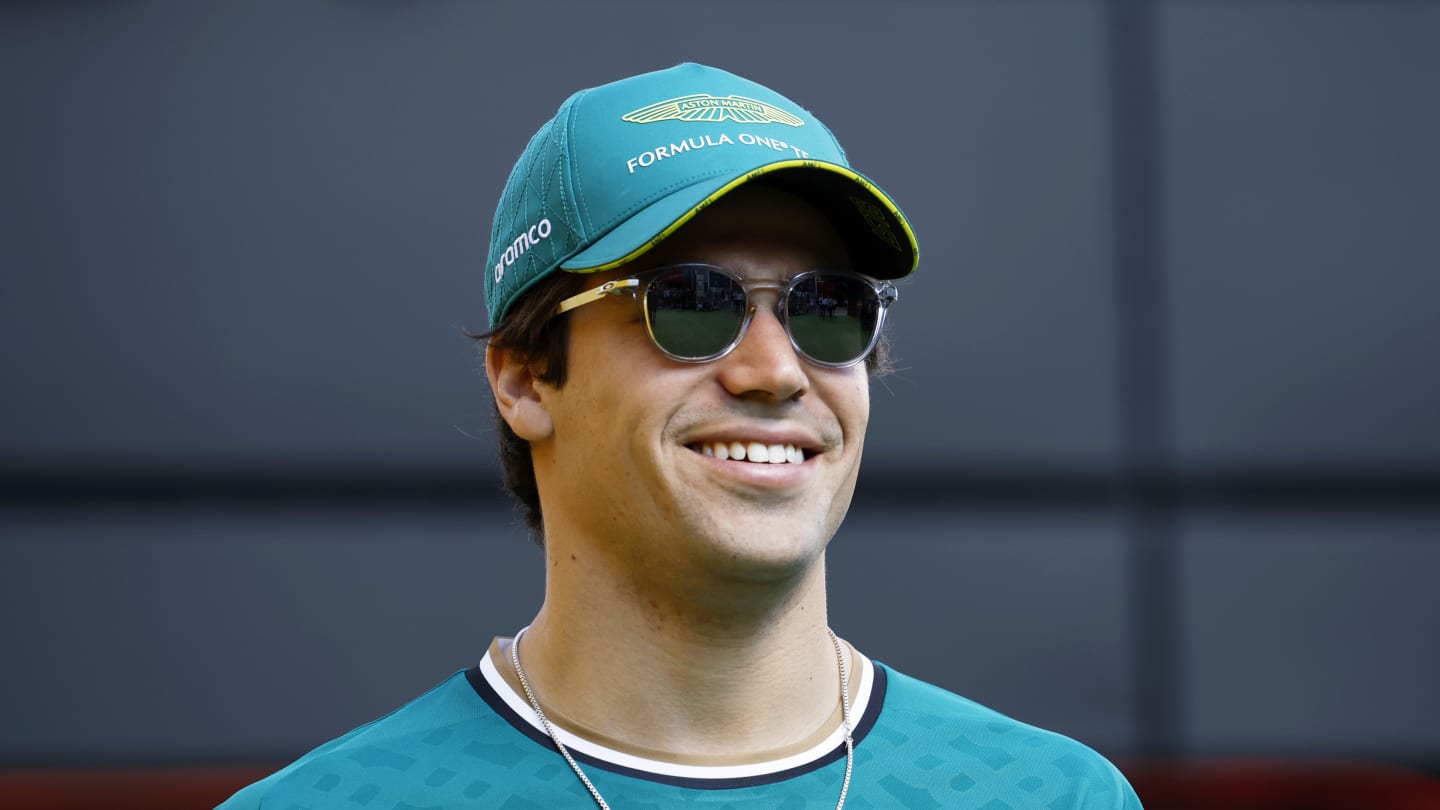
(624,475)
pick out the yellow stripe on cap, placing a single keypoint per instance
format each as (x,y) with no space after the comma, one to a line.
(849,174)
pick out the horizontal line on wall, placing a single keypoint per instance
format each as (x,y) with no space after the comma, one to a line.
(1246,488)
(1268,488)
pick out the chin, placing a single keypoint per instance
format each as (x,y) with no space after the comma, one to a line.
(758,558)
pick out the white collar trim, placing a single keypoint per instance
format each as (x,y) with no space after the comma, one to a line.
(521,707)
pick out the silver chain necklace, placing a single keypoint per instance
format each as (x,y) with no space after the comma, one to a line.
(600,800)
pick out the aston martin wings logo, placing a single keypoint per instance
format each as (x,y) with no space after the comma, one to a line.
(705,107)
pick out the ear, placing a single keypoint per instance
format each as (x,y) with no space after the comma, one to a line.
(517,394)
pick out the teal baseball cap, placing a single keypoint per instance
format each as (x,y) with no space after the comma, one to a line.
(624,165)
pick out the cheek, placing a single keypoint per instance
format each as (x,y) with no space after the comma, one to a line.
(862,395)
(608,409)
(852,403)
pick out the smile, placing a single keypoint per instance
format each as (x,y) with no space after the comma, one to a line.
(755,452)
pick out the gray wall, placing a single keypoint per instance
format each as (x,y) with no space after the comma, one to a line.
(1161,468)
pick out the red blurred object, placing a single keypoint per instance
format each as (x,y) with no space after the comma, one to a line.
(1280,784)
(125,788)
(1201,784)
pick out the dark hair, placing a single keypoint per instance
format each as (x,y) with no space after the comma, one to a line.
(537,336)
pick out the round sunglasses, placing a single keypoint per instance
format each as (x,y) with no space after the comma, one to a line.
(699,312)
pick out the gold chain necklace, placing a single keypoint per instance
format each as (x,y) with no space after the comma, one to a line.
(600,800)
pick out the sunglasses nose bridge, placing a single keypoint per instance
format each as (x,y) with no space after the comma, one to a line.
(752,322)
(755,296)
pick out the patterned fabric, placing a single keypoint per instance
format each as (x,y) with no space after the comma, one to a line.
(469,743)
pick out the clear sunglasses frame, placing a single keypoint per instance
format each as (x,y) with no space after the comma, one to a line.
(638,285)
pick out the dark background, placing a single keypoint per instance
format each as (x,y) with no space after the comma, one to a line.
(1161,469)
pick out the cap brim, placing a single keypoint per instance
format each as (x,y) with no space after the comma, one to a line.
(881,241)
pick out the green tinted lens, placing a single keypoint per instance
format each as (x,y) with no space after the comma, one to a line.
(833,317)
(694,312)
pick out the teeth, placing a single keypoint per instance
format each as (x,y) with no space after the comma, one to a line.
(754,452)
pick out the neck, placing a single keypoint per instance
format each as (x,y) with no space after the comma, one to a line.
(725,671)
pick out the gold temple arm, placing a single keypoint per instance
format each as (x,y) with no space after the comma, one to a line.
(590,296)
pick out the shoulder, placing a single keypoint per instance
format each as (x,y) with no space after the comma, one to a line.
(981,752)
(410,745)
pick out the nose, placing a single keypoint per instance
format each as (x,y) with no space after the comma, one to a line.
(764,364)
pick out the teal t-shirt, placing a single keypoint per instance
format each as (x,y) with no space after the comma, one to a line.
(472,742)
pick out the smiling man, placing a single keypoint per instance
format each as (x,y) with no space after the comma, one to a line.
(687,287)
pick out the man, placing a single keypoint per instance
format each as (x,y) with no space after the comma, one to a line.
(686,288)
